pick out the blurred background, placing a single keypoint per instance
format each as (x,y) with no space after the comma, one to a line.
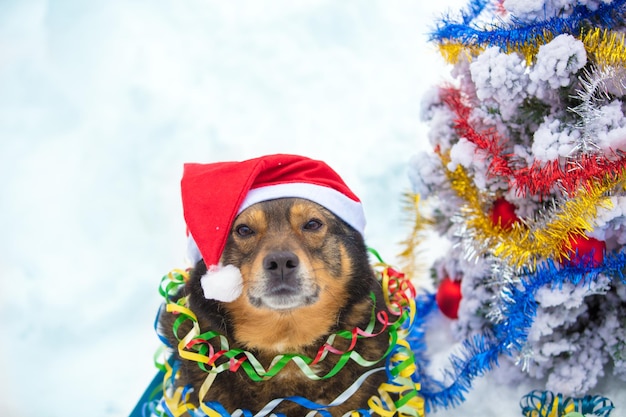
(101,102)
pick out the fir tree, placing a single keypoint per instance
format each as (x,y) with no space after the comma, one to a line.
(526,178)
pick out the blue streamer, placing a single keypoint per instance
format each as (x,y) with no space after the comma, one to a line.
(217,407)
(541,403)
(607,16)
(149,405)
(322,409)
(480,353)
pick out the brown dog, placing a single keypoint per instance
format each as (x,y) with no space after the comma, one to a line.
(306,275)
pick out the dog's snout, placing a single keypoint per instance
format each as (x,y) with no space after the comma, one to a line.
(284,282)
(281,263)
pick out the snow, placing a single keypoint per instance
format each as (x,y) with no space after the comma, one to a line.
(499,79)
(533,9)
(553,139)
(557,61)
(462,153)
(101,102)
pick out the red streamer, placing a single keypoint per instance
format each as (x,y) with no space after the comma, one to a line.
(400,289)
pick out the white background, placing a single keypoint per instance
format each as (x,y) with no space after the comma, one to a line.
(101,102)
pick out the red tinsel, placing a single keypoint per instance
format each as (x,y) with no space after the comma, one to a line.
(539,178)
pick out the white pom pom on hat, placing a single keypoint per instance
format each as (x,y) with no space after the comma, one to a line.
(214,194)
(222,283)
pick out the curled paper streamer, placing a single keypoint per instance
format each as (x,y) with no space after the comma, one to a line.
(399,396)
(548,404)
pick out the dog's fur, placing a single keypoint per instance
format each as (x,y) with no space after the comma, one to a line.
(306,275)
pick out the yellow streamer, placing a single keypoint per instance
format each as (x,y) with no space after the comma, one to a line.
(204,389)
(377,405)
(382,404)
(553,410)
(175,403)
(177,308)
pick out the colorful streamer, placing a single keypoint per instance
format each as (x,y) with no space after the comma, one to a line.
(548,404)
(398,397)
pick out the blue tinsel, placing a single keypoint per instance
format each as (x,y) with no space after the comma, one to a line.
(480,352)
(465,31)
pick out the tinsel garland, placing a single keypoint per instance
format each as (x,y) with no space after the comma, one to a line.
(539,179)
(473,9)
(539,239)
(591,95)
(607,48)
(412,244)
(527,257)
(480,353)
(518,33)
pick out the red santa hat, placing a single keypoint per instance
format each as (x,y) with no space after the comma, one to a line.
(214,194)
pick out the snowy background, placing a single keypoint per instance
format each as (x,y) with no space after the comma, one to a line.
(101,102)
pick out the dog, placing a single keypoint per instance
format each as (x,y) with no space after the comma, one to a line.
(306,275)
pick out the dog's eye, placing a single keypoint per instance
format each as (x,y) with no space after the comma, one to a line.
(313,224)
(244,231)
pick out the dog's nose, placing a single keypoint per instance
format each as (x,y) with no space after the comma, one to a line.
(281,264)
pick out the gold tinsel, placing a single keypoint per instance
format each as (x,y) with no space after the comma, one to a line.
(527,242)
(409,257)
(607,48)
(604,48)
(452,51)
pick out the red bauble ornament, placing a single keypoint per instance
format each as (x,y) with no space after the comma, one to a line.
(448,297)
(503,214)
(585,251)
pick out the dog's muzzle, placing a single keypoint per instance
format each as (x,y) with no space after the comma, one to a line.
(285,283)
(281,270)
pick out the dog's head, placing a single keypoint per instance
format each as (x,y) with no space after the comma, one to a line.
(302,267)
(291,253)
